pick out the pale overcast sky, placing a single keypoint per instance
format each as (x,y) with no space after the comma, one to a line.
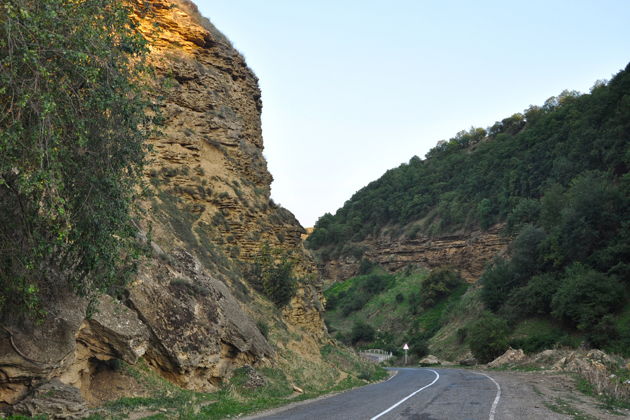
(351,88)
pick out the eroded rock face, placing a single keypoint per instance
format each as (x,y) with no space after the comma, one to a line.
(32,352)
(209,217)
(199,331)
(113,332)
(55,400)
(467,253)
(211,179)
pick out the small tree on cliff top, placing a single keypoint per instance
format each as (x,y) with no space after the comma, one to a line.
(72,127)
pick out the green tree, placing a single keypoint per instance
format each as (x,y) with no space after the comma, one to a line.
(73,122)
(585,296)
(497,280)
(361,332)
(488,337)
(440,283)
(272,274)
(484,208)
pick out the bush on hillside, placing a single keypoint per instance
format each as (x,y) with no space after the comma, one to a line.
(272,274)
(361,332)
(585,296)
(355,297)
(488,337)
(531,300)
(439,284)
(418,345)
(497,281)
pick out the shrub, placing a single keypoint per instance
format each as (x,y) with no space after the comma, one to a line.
(418,345)
(354,302)
(461,335)
(585,296)
(488,337)
(497,282)
(438,284)
(361,332)
(526,211)
(538,341)
(366,266)
(534,299)
(272,274)
(375,283)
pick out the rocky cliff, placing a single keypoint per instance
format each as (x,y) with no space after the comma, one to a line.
(467,253)
(191,312)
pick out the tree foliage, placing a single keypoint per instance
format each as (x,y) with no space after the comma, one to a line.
(361,332)
(586,296)
(272,274)
(488,337)
(73,119)
(480,177)
(556,174)
(439,284)
(570,263)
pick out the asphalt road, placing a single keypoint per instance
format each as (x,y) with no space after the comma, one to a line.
(414,393)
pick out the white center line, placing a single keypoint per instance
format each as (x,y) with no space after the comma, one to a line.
(437,376)
(493,409)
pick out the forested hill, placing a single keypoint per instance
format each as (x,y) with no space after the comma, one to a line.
(506,172)
(555,176)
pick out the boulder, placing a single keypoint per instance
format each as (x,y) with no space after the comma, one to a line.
(467,361)
(509,358)
(54,399)
(114,331)
(430,360)
(200,333)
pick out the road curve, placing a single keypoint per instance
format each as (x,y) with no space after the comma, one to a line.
(414,393)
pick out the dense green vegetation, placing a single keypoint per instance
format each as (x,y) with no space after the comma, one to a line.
(557,177)
(385,311)
(483,176)
(570,262)
(72,125)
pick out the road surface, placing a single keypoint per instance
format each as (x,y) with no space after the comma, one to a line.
(414,393)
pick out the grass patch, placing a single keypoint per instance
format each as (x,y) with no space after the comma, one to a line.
(561,406)
(608,401)
(240,395)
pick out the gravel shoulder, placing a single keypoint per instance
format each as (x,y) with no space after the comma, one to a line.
(547,395)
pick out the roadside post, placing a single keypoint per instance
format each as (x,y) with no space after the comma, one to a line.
(405,348)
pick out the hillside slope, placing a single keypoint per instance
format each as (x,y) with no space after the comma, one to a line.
(534,209)
(479,179)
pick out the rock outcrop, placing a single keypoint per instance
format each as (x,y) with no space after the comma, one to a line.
(467,253)
(191,312)
(53,399)
(198,329)
(210,177)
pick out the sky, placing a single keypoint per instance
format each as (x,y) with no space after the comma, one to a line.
(351,88)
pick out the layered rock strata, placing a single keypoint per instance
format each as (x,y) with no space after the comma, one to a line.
(189,312)
(467,253)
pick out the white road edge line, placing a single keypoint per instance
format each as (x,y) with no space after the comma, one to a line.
(391,377)
(493,409)
(437,376)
